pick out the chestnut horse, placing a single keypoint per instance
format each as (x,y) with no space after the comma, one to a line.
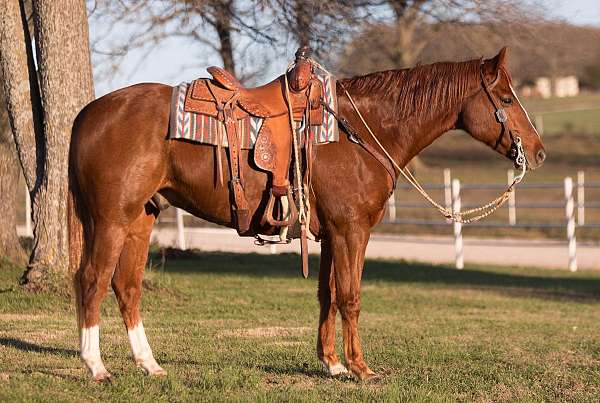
(120,157)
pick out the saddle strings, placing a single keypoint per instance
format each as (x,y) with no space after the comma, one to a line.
(302,209)
(463,217)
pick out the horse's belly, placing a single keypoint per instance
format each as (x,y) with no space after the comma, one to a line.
(193,183)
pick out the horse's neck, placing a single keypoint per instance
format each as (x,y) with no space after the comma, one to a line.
(404,139)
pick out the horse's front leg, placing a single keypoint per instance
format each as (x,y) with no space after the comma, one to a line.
(326,337)
(348,249)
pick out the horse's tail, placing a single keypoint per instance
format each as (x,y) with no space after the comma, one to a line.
(77,237)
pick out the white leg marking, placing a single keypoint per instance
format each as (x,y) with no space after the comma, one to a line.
(90,352)
(336,369)
(142,353)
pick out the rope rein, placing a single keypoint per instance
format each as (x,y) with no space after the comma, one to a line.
(466,216)
(463,217)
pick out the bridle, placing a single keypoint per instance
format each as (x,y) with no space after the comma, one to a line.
(515,153)
(515,150)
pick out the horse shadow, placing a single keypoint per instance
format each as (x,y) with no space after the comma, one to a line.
(35,348)
(579,287)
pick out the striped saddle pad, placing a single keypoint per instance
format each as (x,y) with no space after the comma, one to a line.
(203,128)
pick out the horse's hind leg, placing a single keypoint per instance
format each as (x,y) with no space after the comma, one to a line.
(93,281)
(127,284)
(327,301)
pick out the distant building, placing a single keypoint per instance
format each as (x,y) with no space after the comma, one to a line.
(545,87)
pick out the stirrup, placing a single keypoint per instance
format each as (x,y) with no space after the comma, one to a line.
(261,240)
(272,221)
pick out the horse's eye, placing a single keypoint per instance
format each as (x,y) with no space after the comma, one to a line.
(507,101)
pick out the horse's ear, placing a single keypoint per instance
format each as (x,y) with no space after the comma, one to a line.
(491,66)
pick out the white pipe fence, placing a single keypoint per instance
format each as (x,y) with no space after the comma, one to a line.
(458,241)
(179,213)
(570,215)
(580,198)
(452,187)
(512,199)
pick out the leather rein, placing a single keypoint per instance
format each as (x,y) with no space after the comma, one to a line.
(515,153)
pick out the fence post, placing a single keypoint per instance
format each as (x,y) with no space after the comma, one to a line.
(180,229)
(28,229)
(580,198)
(448,191)
(392,207)
(570,215)
(512,199)
(458,241)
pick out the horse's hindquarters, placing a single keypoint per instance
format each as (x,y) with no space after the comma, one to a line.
(119,153)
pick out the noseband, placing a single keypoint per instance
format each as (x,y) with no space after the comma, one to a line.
(515,150)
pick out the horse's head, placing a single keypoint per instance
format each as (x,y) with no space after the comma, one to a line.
(495,116)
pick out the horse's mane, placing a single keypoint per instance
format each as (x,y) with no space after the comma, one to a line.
(422,90)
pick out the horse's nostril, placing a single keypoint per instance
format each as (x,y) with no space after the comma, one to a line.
(541,156)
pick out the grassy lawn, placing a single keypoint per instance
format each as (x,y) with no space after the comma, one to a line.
(580,114)
(242,328)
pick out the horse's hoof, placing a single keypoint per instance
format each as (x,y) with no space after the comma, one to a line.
(370,377)
(151,368)
(159,373)
(102,376)
(337,370)
(365,374)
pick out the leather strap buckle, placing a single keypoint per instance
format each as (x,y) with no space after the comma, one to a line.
(501,115)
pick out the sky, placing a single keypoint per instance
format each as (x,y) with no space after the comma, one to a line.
(580,12)
(169,63)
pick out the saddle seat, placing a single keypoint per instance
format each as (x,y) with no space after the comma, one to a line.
(268,100)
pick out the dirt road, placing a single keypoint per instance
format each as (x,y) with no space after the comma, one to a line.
(430,249)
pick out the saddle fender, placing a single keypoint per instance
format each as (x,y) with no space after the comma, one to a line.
(273,149)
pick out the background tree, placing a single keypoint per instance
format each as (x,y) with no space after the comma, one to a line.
(42,134)
(10,170)
(225,27)
(325,26)
(396,35)
(22,101)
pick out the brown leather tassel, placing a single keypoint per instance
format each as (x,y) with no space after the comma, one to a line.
(304,250)
(219,153)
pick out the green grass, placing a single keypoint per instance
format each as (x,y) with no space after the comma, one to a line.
(242,328)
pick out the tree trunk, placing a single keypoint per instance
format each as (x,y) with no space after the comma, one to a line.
(222,23)
(10,247)
(62,44)
(304,21)
(407,48)
(22,98)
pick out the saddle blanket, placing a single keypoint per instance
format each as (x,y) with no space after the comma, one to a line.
(203,128)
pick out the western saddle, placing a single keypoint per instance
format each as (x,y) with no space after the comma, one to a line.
(290,101)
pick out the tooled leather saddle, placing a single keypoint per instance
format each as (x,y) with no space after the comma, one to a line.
(292,99)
